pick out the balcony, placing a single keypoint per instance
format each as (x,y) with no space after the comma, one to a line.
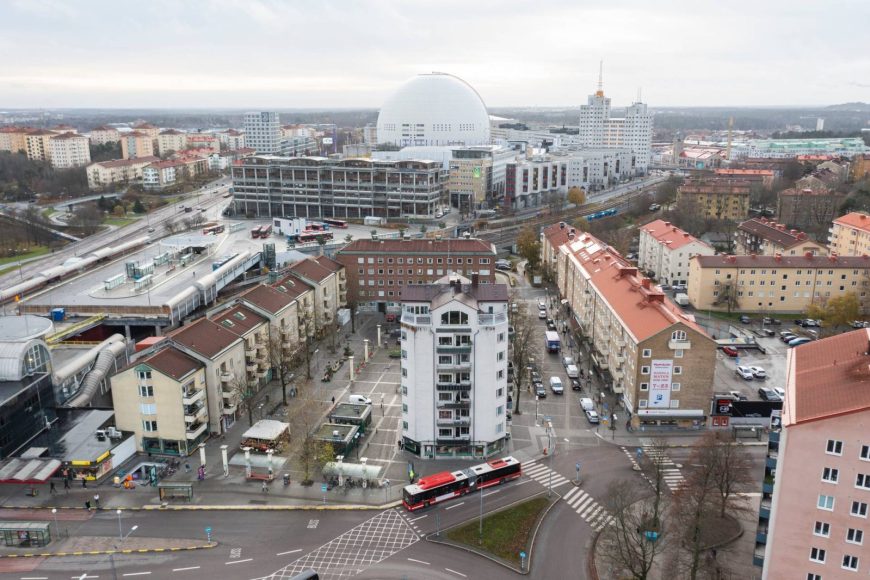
(194,431)
(758,556)
(192,415)
(462,403)
(455,422)
(448,348)
(679,344)
(492,319)
(229,410)
(191,397)
(761,534)
(461,386)
(227,378)
(261,347)
(250,366)
(454,366)
(767,487)
(770,463)
(250,352)
(452,438)
(416,319)
(764,509)
(773,437)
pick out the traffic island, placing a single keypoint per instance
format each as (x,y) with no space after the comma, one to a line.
(508,533)
(100,545)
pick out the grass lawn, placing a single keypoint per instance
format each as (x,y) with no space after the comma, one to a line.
(120,222)
(506,533)
(36,251)
(48,212)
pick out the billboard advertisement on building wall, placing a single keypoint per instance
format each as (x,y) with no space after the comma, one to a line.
(660,384)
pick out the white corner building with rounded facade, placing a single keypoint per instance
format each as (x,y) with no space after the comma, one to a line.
(434,109)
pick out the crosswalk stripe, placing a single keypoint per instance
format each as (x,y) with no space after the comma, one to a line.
(571,493)
(589,509)
(536,472)
(600,518)
(561,483)
(537,467)
(577,500)
(585,504)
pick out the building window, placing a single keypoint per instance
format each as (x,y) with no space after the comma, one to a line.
(500,356)
(817,555)
(146,391)
(500,374)
(859,509)
(830,474)
(865,452)
(811,576)
(644,370)
(404,407)
(454,317)
(500,337)
(405,390)
(149,426)
(499,392)
(678,335)
(862,480)
(148,409)
(647,353)
(826,502)
(446,397)
(404,372)
(143,375)
(642,403)
(850,562)
(822,529)
(499,410)
(404,425)
(854,536)
(678,370)
(834,447)
(678,353)
(404,353)
(644,386)
(675,386)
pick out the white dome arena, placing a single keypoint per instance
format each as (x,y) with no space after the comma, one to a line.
(434,109)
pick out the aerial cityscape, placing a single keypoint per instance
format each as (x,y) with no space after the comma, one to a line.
(393,290)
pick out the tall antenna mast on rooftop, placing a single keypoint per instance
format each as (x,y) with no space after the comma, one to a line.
(600,91)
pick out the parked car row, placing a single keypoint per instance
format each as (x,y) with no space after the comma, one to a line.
(748,373)
(792,339)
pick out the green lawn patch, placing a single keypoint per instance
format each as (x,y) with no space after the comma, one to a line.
(34,252)
(120,222)
(48,212)
(505,533)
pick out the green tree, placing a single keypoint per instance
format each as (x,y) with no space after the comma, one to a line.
(576,196)
(529,247)
(837,311)
(138,207)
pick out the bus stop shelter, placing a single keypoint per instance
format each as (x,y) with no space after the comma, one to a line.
(25,534)
(360,471)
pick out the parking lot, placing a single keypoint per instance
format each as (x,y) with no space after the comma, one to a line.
(773,361)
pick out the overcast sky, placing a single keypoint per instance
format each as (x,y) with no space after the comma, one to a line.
(329,53)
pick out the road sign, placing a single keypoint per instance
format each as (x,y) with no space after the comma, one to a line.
(639,452)
(577,466)
(522,554)
(208,530)
(323,487)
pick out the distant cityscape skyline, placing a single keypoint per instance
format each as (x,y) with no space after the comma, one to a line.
(222,54)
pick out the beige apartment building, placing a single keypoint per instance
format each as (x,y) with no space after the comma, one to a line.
(821,493)
(850,235)
(148,129)
(13,139)
(286,306)
(69,150)
(136,145)
(232,139)
(38,144)
(163,400)
(171,140)
(664,251)
(772,284)
(105,174)
(717,197)
(329,282)
(204,141)
(254,330)
(104,134)
(767,237)
(646,349)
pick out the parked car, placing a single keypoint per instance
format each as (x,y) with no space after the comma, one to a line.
(799,341)
(575,385)
(779,391)
(542,304)
(758,372)
(859,324)
(540,391)
(665,286)
(787,337)
(808,323)
(738,395)
(771,321)
(567,361)
(551,324)
(502,265)
(730,351)
(680,288)
(744,373)
(631,257)
(745,319)
(556,386)
(768,394)
(536,378)
(573,371)
(768,332)
(542,314)
(592,417)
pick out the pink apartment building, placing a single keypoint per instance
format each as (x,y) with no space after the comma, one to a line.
(821,496)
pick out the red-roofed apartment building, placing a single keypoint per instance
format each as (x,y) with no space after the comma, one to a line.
(647,349)
(768,238)
(665,250)
(821,494)
(329,281)
(850,235)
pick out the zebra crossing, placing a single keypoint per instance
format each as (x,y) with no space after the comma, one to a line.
(541,474)
(671,474)
(585,505)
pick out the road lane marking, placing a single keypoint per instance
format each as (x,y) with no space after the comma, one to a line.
(288,552)
(522,482)
(418,561)
(420,518)
(34,578)
(454,505)
(457,573)
(136,574)
(491,493)
(185,569)
(238,561)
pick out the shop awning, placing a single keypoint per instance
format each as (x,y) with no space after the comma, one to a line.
(267,430)
(670,413)
(16,470)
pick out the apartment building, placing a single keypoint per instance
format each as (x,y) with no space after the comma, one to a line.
(646,349)
(159,175)
(316,187)
(104,134)
(224,160)
(808,209)
(69,150)
(774,283)
(454,348)
(821,493)
(171,141)
(203,141)
(232,139)
(152,131)
(286,305)
(596,169)
(329,281)
(105,174)
(860,166)
(717,198)
(38,144)
(768,238)
(477,175)
(850,235)
(530,181)
(136,145)
(162,399)
(227,374)
(13,139)
(664,252)
(764,178)
(255,331)
(263,132)
(377,270)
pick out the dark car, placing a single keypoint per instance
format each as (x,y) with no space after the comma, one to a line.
(536,377)
(540,391)
(551,324)
(575,385)
(768,394)
(787,337)
(745,319)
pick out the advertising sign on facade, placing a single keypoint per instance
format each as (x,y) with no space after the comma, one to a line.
(660,384)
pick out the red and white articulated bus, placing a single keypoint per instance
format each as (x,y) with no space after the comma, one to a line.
(335,223)
(446,485)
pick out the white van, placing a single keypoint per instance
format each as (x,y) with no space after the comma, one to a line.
(359,400)
(573,371)
(586,404)
(556,385)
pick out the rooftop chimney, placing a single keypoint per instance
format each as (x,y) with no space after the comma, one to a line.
(644,283)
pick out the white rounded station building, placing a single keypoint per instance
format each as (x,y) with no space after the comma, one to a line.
(434,109)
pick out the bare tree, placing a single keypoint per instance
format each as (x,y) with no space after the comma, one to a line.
(196,220)
(654,470)
(313,453)
(634,538)
(727,295)
(732,471)
(171,226)
(281,359)
(522,348)
(244,387)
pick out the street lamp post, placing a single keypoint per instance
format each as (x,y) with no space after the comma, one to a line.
(112,554)
(480,532)
(120,529)
(56,527)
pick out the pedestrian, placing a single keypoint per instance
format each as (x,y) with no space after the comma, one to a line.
(97,501)
(187,467)
(51,488)
(265,487)
(88,505)
(66,484)
(333,400)
(84,482)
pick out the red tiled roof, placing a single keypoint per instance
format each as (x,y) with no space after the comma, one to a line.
(726,261)
(172,362)
(643,309)
(104,128)
(857,220)
(171,132)
(37,132)
(292,286)
(747,172)
(125,162)
(809,191)
(329,263)
(417,246)
(267,298)
(670,235)
(239,319)
(70,136)
(311,269)
(828,377)
(775,232)
(205,337)
(134,134)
